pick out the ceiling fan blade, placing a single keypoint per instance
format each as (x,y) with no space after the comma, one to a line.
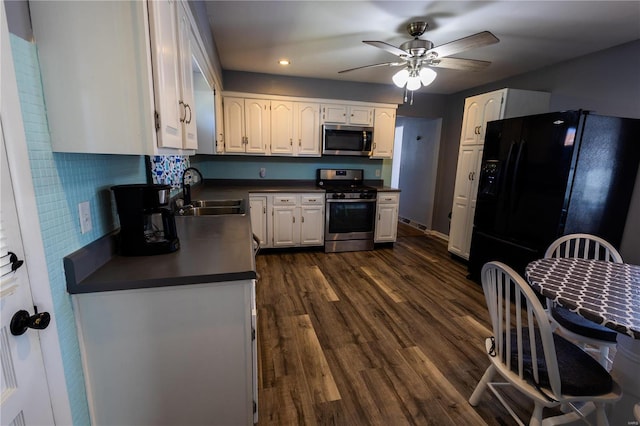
(459,64)
(389,64)
(484,38)
(388,47)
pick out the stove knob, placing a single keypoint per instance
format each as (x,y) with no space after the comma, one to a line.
(341,195)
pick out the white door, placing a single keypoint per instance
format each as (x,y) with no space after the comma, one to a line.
(25,397)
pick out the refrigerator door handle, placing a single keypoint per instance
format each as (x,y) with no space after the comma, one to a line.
(506,178)
(516,174)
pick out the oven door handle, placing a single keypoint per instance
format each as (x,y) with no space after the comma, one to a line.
(351,200)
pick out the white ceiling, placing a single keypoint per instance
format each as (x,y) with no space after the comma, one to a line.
(323,37)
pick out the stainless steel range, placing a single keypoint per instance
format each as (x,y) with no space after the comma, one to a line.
(350,210)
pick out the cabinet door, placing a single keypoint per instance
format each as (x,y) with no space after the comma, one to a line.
(258,208)
(362,116)
(257,125)
(220,125)
(189,126)
(234,125)
(166,68)
(307,124)
(471,121)
(384,133)
(387,224)
(281,127)
(286,227)
(312,225)
(467,176)
(492,108)
(334,114)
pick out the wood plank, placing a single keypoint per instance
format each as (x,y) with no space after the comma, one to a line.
(320,381)
(380,282)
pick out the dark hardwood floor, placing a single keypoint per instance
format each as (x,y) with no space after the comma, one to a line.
(393,336)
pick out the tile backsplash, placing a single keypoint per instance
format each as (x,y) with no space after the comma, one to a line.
(168,169)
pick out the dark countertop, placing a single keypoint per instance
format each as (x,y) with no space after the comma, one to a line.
(212,248)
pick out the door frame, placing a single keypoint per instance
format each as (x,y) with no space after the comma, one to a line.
(18,158)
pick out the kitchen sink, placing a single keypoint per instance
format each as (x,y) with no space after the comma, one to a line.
(213,208)
(238,203)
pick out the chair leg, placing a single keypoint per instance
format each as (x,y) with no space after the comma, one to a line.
(536,416)
(604,357)
(482,385)
(601,416)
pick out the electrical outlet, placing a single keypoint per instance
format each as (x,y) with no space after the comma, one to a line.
(377,172)
(263,172)
(84,211)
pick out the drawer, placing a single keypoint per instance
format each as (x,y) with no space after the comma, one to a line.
(388,198)
(285,200)
(314,200)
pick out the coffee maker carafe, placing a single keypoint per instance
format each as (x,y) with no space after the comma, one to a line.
(147,225)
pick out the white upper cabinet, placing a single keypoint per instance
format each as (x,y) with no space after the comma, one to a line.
(113,77)
(247,125)
(347,114)
(172,65)
(384,131)
(307,126)
(282,127)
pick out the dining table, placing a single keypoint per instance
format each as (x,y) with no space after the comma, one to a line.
(608,294)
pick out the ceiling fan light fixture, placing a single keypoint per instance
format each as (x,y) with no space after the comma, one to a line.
(400,78)
(427,75)
(413,83)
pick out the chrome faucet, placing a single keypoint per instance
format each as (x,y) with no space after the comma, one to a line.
(186,187)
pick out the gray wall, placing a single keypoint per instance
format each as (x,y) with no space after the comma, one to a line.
(270,84)
(606,82)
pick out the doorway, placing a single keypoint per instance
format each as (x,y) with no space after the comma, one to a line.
(414,168)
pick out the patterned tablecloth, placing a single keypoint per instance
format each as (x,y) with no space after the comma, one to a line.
(604,292)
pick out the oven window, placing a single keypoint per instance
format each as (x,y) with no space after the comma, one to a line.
(351,217)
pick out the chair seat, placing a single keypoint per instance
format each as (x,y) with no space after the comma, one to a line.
(580,374)
(582,326)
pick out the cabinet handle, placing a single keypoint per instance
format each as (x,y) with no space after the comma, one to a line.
(290,141)
(470,176)
(302,219)
(299,142)
(182,104)
(185,113)
(264,210)
(312,201)
(294,219)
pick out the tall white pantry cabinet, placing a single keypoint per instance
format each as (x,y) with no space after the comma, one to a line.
(478,110)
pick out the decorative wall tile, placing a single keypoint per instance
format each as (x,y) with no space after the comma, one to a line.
(168,169)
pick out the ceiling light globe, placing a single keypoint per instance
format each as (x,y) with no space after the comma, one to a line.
(413,83)
(427,75)
(400,78)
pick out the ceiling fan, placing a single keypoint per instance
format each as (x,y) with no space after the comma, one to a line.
(418,56)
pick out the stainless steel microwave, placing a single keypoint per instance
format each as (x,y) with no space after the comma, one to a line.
(338,139)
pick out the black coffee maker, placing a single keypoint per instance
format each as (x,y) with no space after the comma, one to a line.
(147,225)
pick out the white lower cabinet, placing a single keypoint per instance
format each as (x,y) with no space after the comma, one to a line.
(297,219)
(258,207)
(171,355)
(387,217)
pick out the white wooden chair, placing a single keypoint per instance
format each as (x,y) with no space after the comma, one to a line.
(587,334)
(526,353)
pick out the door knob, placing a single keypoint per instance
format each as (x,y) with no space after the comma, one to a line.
(22,321)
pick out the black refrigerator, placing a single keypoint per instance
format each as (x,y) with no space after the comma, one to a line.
(548,175)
